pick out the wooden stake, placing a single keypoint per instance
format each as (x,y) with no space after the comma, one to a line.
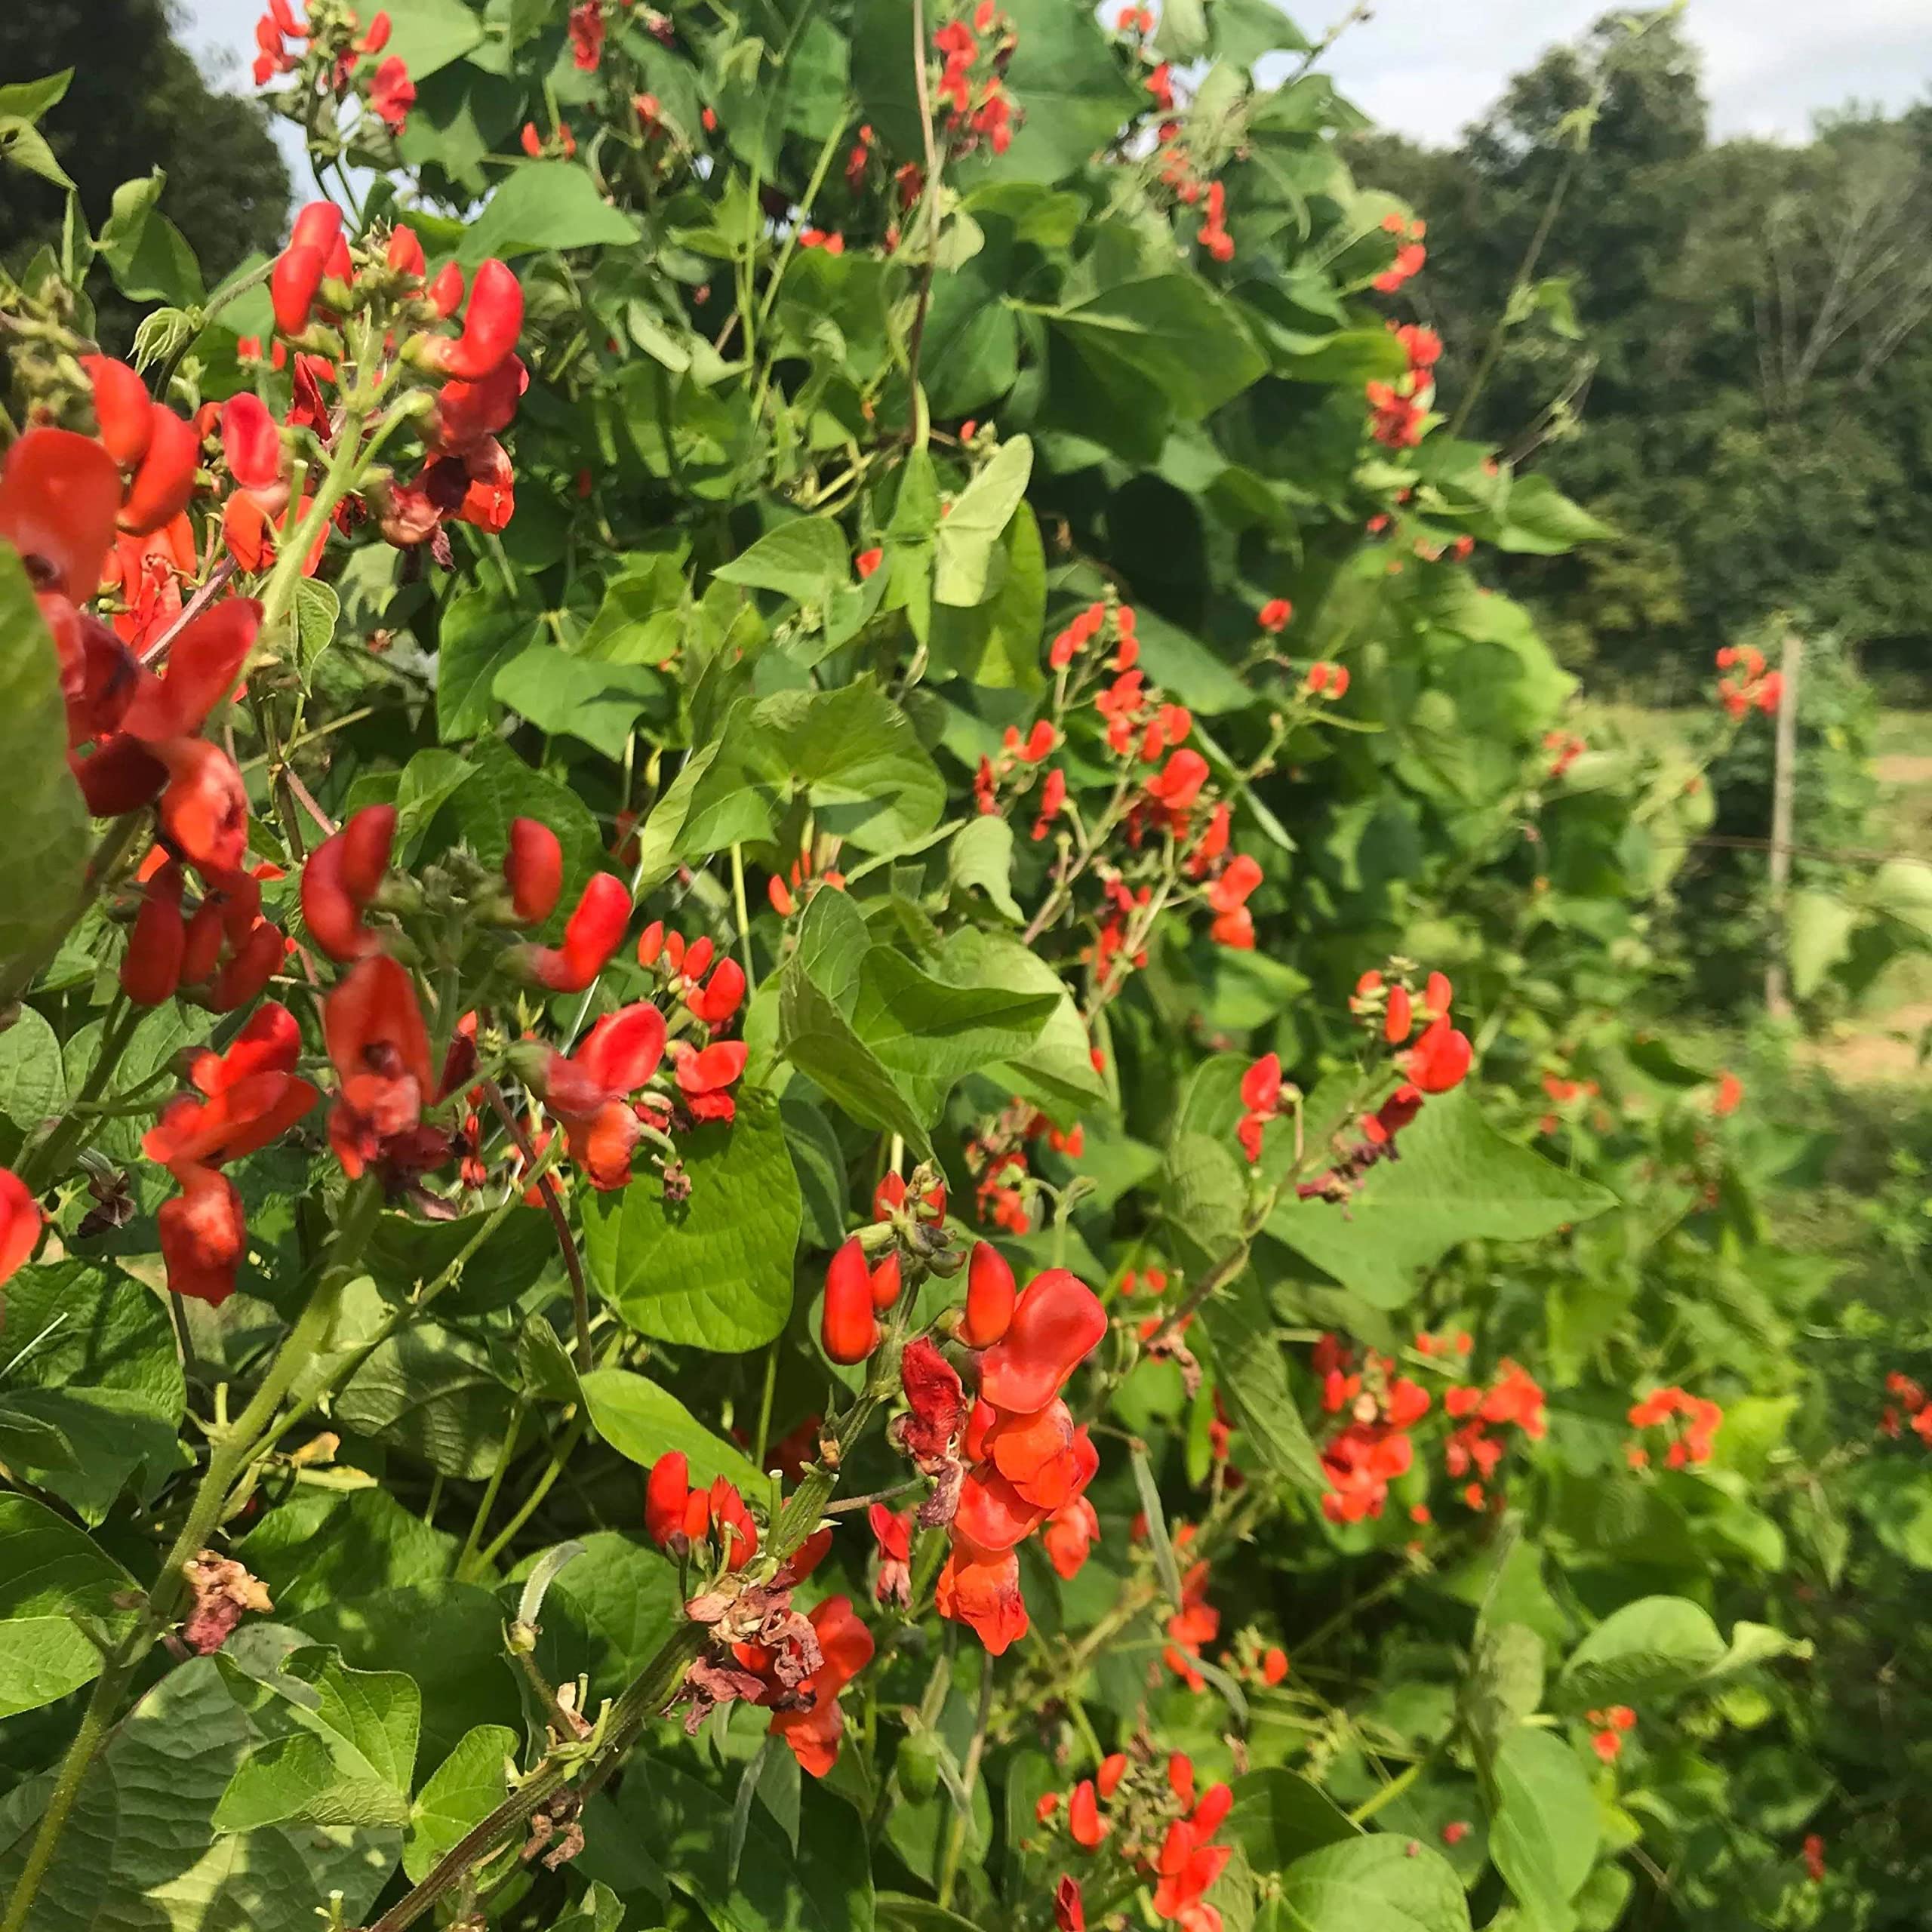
(1784,784)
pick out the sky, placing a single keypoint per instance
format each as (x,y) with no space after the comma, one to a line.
(1428,67)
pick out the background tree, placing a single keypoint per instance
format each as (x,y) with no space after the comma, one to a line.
(1744,392)
(138,101)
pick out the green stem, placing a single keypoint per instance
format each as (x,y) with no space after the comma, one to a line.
(233,1446)
(764,1404)
(969,1774)
(739,905)
(467,1567)
(46,1163)
(560,1453)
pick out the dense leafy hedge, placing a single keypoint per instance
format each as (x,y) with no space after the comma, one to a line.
(900,712)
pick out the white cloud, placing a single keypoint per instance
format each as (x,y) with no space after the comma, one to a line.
(1429,67)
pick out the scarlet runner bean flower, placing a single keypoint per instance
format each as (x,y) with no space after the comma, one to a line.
(812,1726)
(342,876)
(252,1096)
(586,1092)
(1261,1100)
(849,1326)
(1702,1420)
(894,1534)
(20,1223)
(594,932)
(373,1027)
(1028,1459)
(704,1075)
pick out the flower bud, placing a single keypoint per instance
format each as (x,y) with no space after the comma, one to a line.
(121,407)
(990,1297)
(533,870)
(490,326)
(849,1329)
(886,1282)
(445,289)
(1400,1017)
(666,1494)
(166,478)
(152,969)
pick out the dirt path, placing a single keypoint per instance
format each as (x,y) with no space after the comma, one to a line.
(1885,1054)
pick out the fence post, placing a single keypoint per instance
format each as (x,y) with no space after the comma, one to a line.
(1784,784)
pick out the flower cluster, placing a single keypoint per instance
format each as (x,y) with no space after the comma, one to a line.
(1564,749)
(1702,1418)
(971,89)
(1911,1409)
(1372,1448)
(1608,1728)
(1028,1466)
(762,1650)
(1746,684)
(1515,1399)
(1399,411)
(1410,252)
(1155,1825)
(339,58)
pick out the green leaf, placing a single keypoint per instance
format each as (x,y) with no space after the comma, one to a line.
(1505,1684)
(1818,931)
(1278,1816)
(428,35)
(714,1271)
(660,837)
(317,611)
(558,691)
(545,205)
(26,147)
(1057,1070)
(106,1438)
(51,1573)
(642,1422)
(32,1083)
(1392,1884)
(978,515)
(929,1033)
(433,1394)
(344,1753)
(1458,1180)
(997,643)
(1658,1646)
(448,1636)
(980,854)
(818,1040)
(137,1851)
(479,636)
(852,752)
(1244,30)
(1250,1371)
(805,559)
(321,1547)
(28,100)
(147,255)
(1538,520)
(460,1793)
(1169,333)
(1067,82)
(824,1885)
(611,1607)
(46,850)
(1543,1834)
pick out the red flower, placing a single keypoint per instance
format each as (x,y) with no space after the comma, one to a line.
(812,1728)
(982,1591)
(894,1536)
(936,1404)
(715,1003)
(20,1223)
(532,869)
(393,94)
(1440,1059)
(667,1496)
(1261,1097)
(867,561)
(299,269)
(890,1197)
(1180,781)
(595,931)
(1056,1323)
(586,26)
(1069,1910)
(586,1092)
(1083,1816)
(341,876)
(1814,1858)
(373,1027)
(491,325)
(203,1236)
(1070,1533)
(848,1325)
(703,1076)
(990,1297)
